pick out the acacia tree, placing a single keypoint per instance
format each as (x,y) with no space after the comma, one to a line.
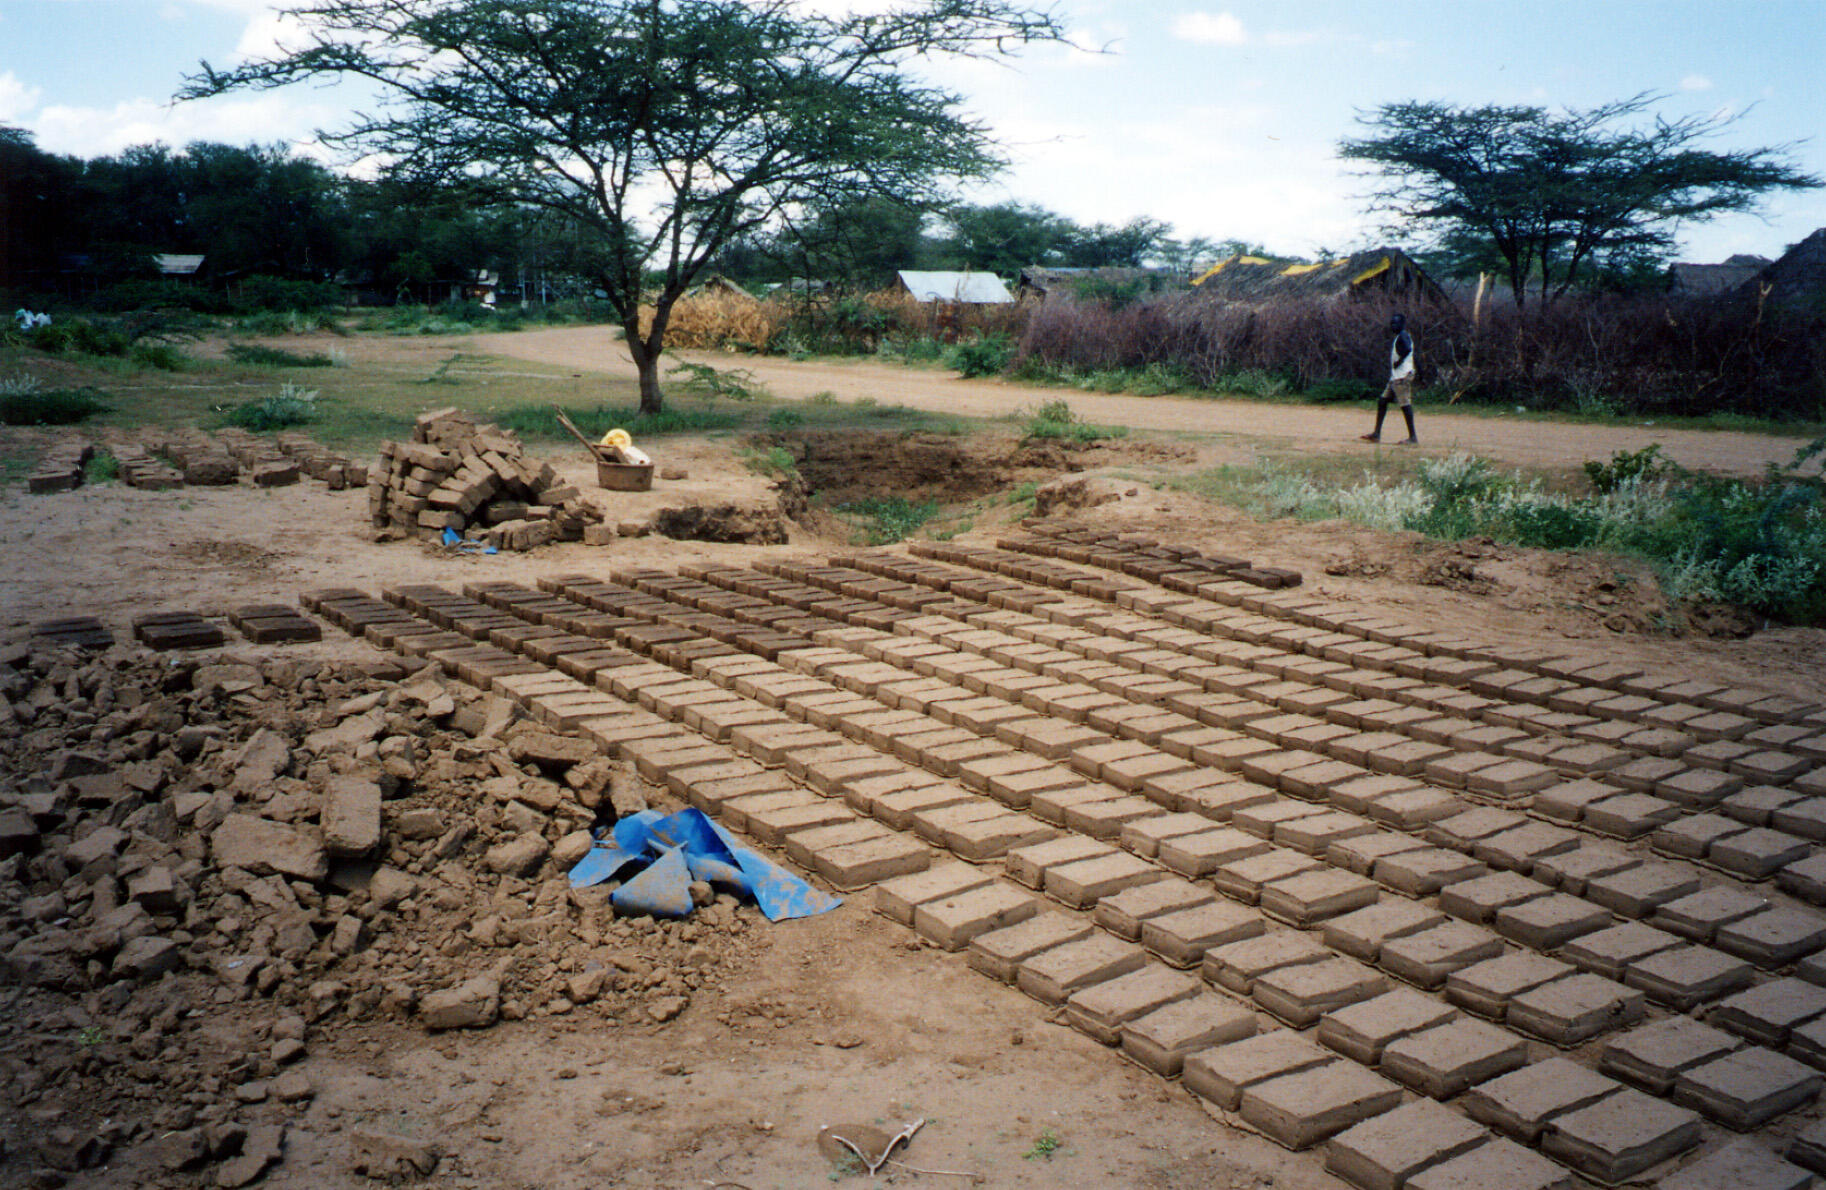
(664,128)
(1552,193)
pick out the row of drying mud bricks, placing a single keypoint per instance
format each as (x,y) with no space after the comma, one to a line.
(59,469)
(537,678)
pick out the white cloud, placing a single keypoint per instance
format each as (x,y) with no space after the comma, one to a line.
(100,132)
(1695,82)
(1206,28)
(16,97)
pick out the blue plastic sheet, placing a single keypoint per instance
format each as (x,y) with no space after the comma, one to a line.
(675,849)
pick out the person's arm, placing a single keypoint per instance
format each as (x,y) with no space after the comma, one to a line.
(1404,347)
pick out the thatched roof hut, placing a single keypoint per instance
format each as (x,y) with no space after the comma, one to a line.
(1042,281)
(1713,280)
(1383,272)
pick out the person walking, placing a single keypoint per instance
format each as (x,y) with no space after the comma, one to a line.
(1400,387)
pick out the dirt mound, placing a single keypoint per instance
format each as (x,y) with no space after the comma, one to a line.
(722,523)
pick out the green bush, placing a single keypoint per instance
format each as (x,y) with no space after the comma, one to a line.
(162,356)
(274,357)
(738,384)
(290,406)
(24,403)
(885,520)
(1057,420)
(983,355)
(79,336)
(1626,466)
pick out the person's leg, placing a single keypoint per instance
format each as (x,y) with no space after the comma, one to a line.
(1405,394)
(1382,410)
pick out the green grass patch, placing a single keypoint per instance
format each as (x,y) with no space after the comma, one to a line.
(1055,420)
(289,407)
(102,467)
(884,520)
(23,403)
(261,356)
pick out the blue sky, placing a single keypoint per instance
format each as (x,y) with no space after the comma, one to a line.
(1222,119)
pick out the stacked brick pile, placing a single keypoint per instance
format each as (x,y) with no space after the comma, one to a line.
(476,480)
(140,468)
(60,468)
(320,462)
(205,461)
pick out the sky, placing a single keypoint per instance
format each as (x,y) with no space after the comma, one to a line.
(1222,119)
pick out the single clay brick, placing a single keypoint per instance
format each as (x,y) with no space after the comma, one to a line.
(1774,937)
(952,922)
(1683,977)
(1123,913)
(1610,952)
(1082,884)
(1652,1056)
(1052,975)
(1767,1013)
(999,953)
(1636,892)
(1384,1152)
(1550,922)
(1486,988)
(1237,965)
(1182,937)
(1575,1009)
(1100,1010)
(1312,897)
(1522,1103)
(1498,1164)
(1361,934)
(1743,1165)
(1747,1088)
(1220,1074)
(1300,994)
(1299,1110)
(1426,958)
(1425,872)
(1444,1060)
(1621,1135)
(1161,1039)
(1758,853)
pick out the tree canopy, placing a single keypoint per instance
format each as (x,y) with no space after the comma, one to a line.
(665,128)
(1555,194)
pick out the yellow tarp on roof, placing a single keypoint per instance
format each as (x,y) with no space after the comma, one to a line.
(1297,270)
(1375,270)
(1221,265)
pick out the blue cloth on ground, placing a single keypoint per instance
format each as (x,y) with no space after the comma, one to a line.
(676,849)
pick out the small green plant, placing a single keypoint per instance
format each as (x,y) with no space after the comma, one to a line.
(102,467)
(161,356)
(785,419)
(885,520)
(738,384)
(1057,420)
(1044,1145)
(1645,465)
(90,1036)
(262,356)
(983,355)
(290,406)
(822,397)
(441,374)
(25,402)
(775,461)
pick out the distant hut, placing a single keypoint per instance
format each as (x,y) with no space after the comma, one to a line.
(958,288)
(717,285)
(1039,282)
(1714,280)
(1380,272)
(178,264)
(1798,279)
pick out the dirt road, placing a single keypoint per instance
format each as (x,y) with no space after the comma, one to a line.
(1526,443)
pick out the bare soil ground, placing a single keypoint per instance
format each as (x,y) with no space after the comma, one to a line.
(836,1018)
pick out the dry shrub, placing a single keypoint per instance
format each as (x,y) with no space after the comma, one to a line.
(715,320)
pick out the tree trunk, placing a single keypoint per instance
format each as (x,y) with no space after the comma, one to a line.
(651,399)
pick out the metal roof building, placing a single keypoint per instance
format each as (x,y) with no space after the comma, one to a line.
(969,289)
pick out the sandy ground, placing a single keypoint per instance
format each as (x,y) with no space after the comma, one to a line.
(1536,444)
(700,1102)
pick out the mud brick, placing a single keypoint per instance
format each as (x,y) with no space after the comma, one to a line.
(1805,879)
(1524,1103)
(952,922)
(932,824)
(1638,891)
(1653,1056)
(900,809)
(1357,794)
(1812,782)
(1317,781)
(1479,900)
(1053,804)
(1757,805)
(1550,922)
(1516,850)
(981,839)
(1442,1061)
(1610,952)
(1773,938)
(1498,1164)
(1427,957)
(1101,1010)
(1161,1040)
(1411,809)
(1123,913)
(1143,836)
(1359,853)
(1575,1009)
(771,817)
(1387,1151)
(1717,754)
(1203,853)
(999,953)
(1301,1109)
(1237,965)
(897,899)
(1221,802)
(1052,975)
(1692,836)
(1221,1074)
(176,630)
(1510,780)
(1770,767)
(1300,994)
(1182,937)
(1263,819)
(1572,870)
(858,865)
(1743,1165)
(1698,788)
(1081,884)
(1424,872)
(1169,790)
(1312,897)
(1462,832)
(1454,770)
(1314,833)
(1486,988)
(1644,774)
(1105,818)
(1363,933)
(1029,865)
(1016,788)
(1244,879)
(1747,1088)
(1758,853)
(1621,1135)
(1360,1031)
(1683,977)
(1768,1013)
(1809,1149)
(1629,815)
(1805,817)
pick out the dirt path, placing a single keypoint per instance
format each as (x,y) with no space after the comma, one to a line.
(1535,444)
